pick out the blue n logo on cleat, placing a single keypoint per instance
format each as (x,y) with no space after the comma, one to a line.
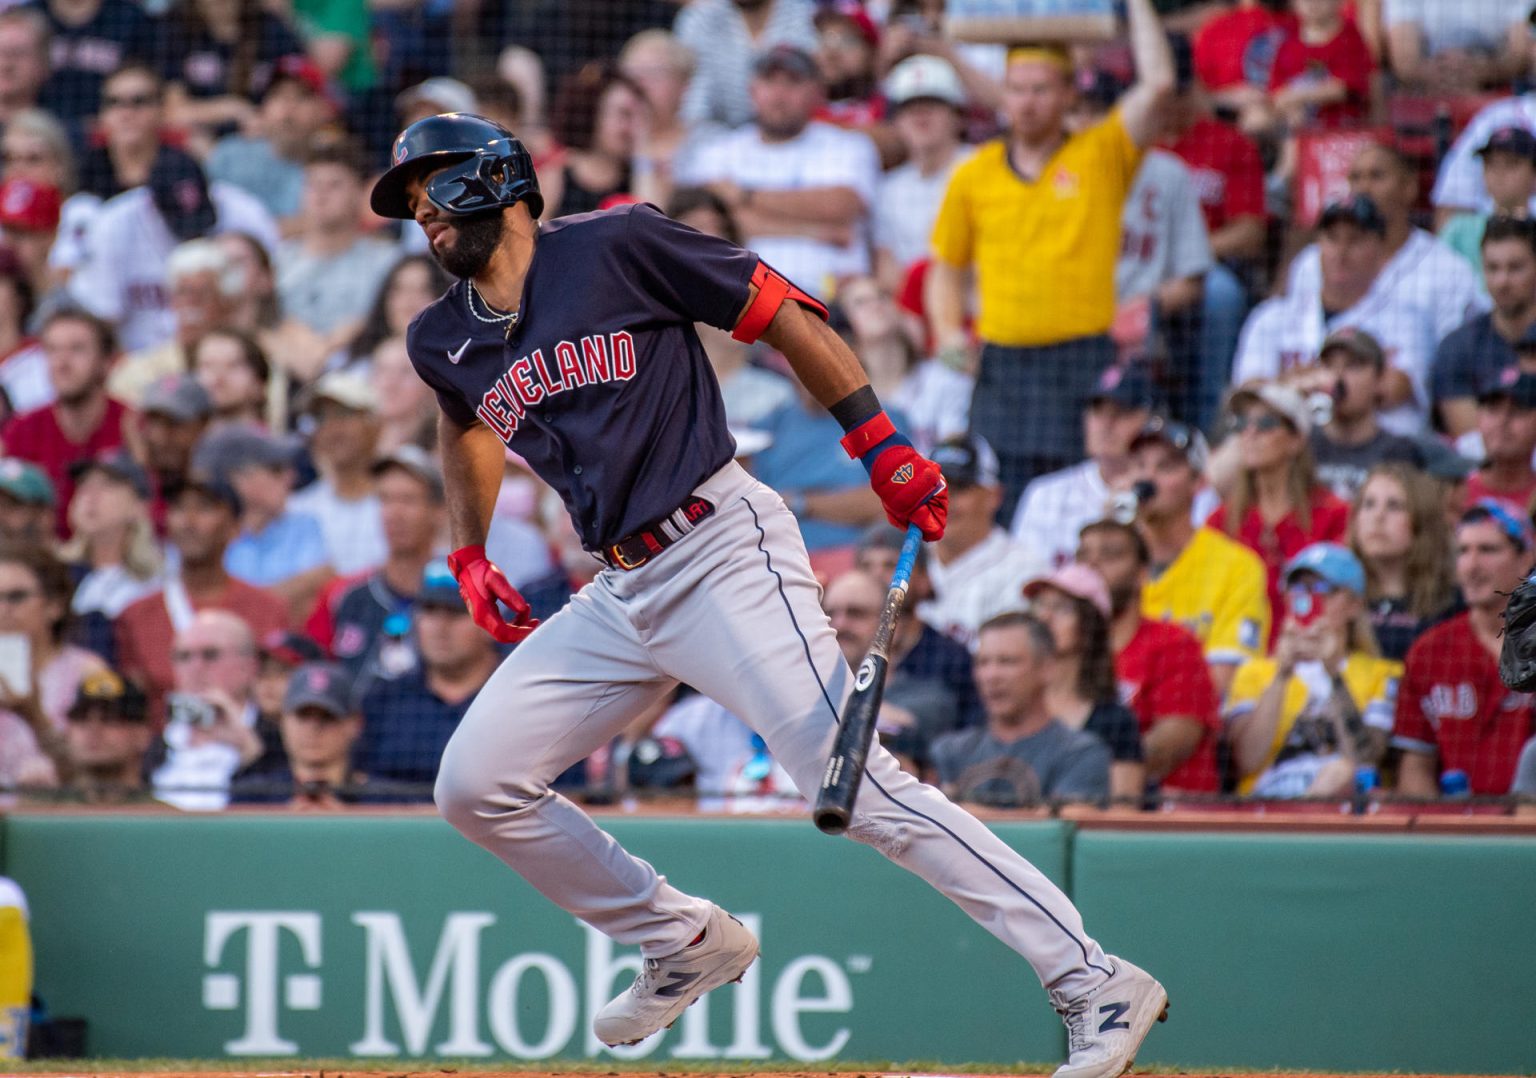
(1114,1011)
(677,982)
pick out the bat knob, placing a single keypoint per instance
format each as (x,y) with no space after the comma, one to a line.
(831,821)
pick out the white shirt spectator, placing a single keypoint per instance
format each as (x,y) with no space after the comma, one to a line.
(1054,508)
(195,778)
(1460,182)
(110,589)
(76,217)
(1424,272)
(937,402)
(716,739)
(1162,230)
(724,51)
(323,292)
(906,204)
(1286,332)
(980,584)
(820,156)
(1480,25)
(123,277)
(353,530)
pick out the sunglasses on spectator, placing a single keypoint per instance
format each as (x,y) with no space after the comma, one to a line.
(207,655)
(1314,587)
(129,101)
(17,596)
(1263,424)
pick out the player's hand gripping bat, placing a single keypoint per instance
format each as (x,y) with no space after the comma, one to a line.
(845,767)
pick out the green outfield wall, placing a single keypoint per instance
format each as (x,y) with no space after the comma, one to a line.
(254,935)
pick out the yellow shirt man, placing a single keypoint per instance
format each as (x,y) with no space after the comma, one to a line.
(1299,750)
(1044,250)
(1217,589)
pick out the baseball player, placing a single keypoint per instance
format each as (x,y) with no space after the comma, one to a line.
(572,342)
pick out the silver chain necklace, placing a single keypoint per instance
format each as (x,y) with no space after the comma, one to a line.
(496,319)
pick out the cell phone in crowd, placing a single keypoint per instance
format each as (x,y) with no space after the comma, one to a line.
(16,662)
(192,710)
(1303,606)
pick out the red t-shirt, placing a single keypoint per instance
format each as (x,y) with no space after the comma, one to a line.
(1237,47)
(36,436)
(144,633)
(1518,499)
(1344,56)
(1452,702)
(1229,177)
(1276,546)
(1162,672)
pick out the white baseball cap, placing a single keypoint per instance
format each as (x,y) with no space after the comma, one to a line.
(449,95)
(924,76)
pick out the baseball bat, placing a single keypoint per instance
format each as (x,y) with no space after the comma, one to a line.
(845,767)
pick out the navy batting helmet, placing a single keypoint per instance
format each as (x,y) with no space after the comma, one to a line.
(483,167)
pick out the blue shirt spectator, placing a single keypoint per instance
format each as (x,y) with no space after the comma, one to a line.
(408,721)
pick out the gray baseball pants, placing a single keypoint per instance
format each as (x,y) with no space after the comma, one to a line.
(732,609)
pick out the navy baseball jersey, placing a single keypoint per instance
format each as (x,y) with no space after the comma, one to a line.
(603,386)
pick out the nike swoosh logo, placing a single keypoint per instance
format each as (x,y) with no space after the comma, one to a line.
(458,353)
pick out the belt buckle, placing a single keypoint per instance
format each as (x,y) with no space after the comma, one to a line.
(623,562)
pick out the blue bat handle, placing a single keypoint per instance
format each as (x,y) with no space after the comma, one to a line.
(908,557)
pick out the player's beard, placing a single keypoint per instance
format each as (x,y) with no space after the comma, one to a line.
(478,236)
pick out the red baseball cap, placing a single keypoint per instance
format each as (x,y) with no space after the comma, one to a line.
(853,13)
(29,207)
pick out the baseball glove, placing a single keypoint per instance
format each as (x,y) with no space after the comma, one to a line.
(1517,655)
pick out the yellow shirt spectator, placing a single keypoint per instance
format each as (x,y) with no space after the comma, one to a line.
(1304,737)
(1215,588)
(15,971)
(1044,251)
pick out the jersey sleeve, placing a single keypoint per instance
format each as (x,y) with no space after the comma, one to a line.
(1258,345)
(954,239)
(687,274)
(1378,709)
(1240,621)
(1252,678)
(1190,255)
(1118,150)
(449,398)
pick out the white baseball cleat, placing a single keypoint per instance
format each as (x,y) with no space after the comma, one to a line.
(667,986)
(1106,1027)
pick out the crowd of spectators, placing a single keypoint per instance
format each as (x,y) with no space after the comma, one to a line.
(1223,334)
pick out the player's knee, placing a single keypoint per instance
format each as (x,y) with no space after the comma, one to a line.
(457,802)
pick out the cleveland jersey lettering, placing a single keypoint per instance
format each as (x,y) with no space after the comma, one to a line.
(603,386)
(531,380)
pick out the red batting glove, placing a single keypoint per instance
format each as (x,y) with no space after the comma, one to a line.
(911,489)
(909,485)
(481,584)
